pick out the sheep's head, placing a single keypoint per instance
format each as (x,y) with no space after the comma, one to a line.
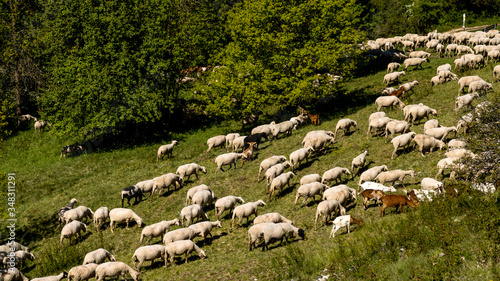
(286,164)
(218,224)
(112,258)
(202,254)
(261,203)
(302,234)
(203,169)
(346,171)
(140,223)
(240,200)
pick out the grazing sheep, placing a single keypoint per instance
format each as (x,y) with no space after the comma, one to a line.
(460,153)
(431,184)
(71,229)
(278,231)
(449,163)
(345,125)
(377,186)
(283,127)
(436,80)
(82,272)
(371,174)
(396,127)
(393,66)
(204,228)
(13,246)
(203,198)
(371,194)
(98,256)
(394,176)
(146,186)
(245,211)
(279,182)
(239,142)
(424,195)
(310,178)
(157,229)
(398,201)
(441,133)
(275,171)
(359,162)
(190,169)
(447,75)
(148,253)
(227,159)
(429,124)
(130,192)
(165,150)
(344,221)
(377,123)
(326,209)
(16,258)
(216,141)
(181,247)
(403,140)
(420,54)
(12,274)
(78,214)
(100,217)
(426,142)
(318,141)
(480,86)
(342,193)
(496,73)
(443,67)
(230,138)
(440,49)
(113,269)
(465,82)
(464,49)
(409,86)
(266,128)
(417,62)
(455,143)
(375,115)
(407,43)
(334,174)
(419,112)
(450,48)
(165,182)
(59,277)
(271,218)
(179,234)
(226,203)
(309,190)
(461,63)
(299,155)
(393,77)
(269,162)
(195,189)
(118,215)
(192,212)
(388,101)
(254,233)
(64,209)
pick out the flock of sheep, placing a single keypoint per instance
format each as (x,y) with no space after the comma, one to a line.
(335,200)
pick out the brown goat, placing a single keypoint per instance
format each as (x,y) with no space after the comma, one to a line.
(399,92)
(314,119)
(413,197)
(248,153)
(371,194)
(397,201)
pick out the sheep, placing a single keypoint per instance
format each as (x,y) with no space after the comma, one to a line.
(448,163)
(387,91)
(203,198)
(82,272)
(148,253)
(440,49)
(279,182)
(275,232)
(496,73)
(24,118)
(204,228)
(435,80)
(226,203)
(40,126)
(98,256)
(239,142)
(326,208)
(59,277)
(455,143)
(432,123)
(195,189)
(423,194)
(230,138)
(443,68)
(271,218)
(375,115)
(71,229)
(427,142)
(275,171)
(245,211)
(431,45)
(318,141)
(480,86)
(461,63)
(191,212)
(64,209)
(371,194)
(78,214)
(393,66)
(146,186)
(15,258)
(310,178)
(441,133)
(283,127)
(344,221)
(450,48)
(464,49)
(397,201)
(370,174)
(419,54)
(157,229)
(165,150)
(394,176)
(164,182)
(269,162)
(345,125)
(460,153)
(190,169)
(406,110)
(118,215)
(216,141)
(388,101)
(465,82)
(377,123)
(299,155)
(13,246)
(396,127)
(12,274)
(100,217)
(227,159)
(254,233)
(377,186)
(179,234)
(309,190)
(417,62)
(182,247)
(266,128)
(359,162)
(419,112)
(407,43)
(393,77)
(130,192)
(115,268)
(431,184)
(334,174)
(466,119)
(341,193)
(401,141)
(74,149)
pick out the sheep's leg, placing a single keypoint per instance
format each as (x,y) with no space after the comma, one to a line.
(296,199)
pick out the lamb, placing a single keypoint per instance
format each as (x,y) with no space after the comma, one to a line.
(326,209)
(480,86)
(455,143)
(164,182)
(182,247)
(393,77)
(195,189)
(275,232)
(345,125)
(344,221)
(118,215)
(157,229)
(71,229)
(394,176)
(226,203)
(191,212)
(115,268)
(378,123)
(130,192)
(12,274)
(359,162)
(203,198)
(269,162)
(78,214)
(403,140)
(441,133)
(254,233)
(100,217)
(179,234)
(371,174)
(419,112)
(465,82)
(230,138)
(417,62)
(204,228)
(216,141)
(245,211)
(371,194)
(271,218)
(227,159)
(283,127)
(165,150)
(393,66)
(426,142)
(377,186)
(334,174)
(310,178)
(279,182)
(82,272)
(309,190)
(59,277)
(190,169)
(419,54)
(388,101)
(496,73)
(98,256)
(465,100)
(431,184)
(396,127)
(395,201)
(40,126)
(448,163)
(318,141)
(299,155)
(148,253)
(64,209)
(275,171)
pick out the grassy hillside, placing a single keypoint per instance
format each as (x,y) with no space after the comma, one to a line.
(450,238)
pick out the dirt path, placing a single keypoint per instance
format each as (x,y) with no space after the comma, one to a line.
(468,28)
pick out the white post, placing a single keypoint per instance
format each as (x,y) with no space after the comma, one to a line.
(463,26)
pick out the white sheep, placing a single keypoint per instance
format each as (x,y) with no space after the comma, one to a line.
(375,115)
(146,186)
(377,186)
(195,189)
(309,190)
(148,253)
(396,127)
(443,68)
(192,212)
(409,86)
(376,124)
(310,178)
(465,82)
(480,86)
(204,228)
(269,162)
(275,171)
(450,48)
(461,63)
(113,269)
(40,126)
(299,155)
(157,229)
(358,162)
(455,143)
(78,214)
(12,274)
(449,163)
(266,128)
(431,184)
(203,198)
(165,182)
(464,49)
(230,138)
(432,123)
(71,229)
(403,140)
(342,193)
(82,272)
(190,169)
(427,142)
(459,153)
(343,221)
(271,218)
(326,209)
(59,277)
(387,91)
(64,209)
(182,247)
(345,125)
(227,159)
(165,150)
(419,112)
(245,211)
(417,62)
(283,127)
(238,142)
(279,183)
(425,195)
(254,233)
(278,231)
(318,141)
(118,215)
(16,258)
(179,234)
(441,133)
(393,66)
(371,174)
(392,77)
(393,176)
(100,217)
(436,80)
(334,174)
(388,101)
(226,203)
(216,141)
(98,256)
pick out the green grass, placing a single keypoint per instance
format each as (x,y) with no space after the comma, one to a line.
(396,247)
